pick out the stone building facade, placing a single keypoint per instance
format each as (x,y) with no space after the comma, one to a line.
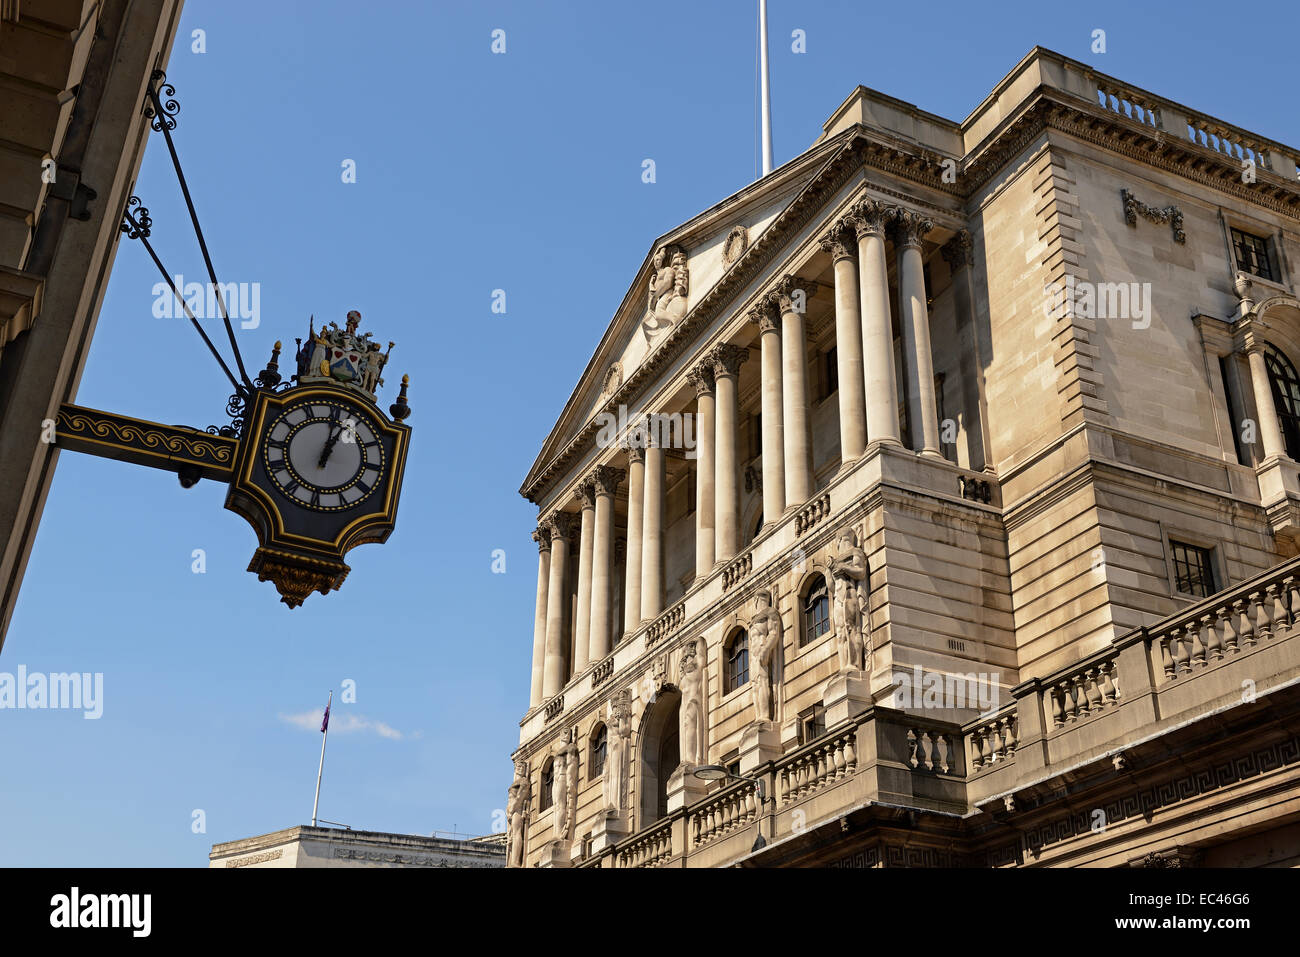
(335,847)
(72,136)
(938,493)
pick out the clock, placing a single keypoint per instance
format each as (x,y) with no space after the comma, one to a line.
(324,455)
(319,471)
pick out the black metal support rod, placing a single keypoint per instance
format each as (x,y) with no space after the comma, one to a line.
(164,124)
(141,234)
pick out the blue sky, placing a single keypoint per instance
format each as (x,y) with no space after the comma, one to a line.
(475,172)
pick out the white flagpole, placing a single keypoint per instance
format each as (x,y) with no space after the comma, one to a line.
(765,82)
(325,733)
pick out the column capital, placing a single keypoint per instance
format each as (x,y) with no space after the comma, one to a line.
(542,536)
(869,217)
(585,493)
(727,360)
(701,378)
(910,228)
(635,453)
(765,314)
(840,240)
(562,525)
(787,288)
(957,252)
(606,479)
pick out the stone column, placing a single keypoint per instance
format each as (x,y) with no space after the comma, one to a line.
(792,297)
(560,525)
(652,532)
(974,351)
(586,499)
(1270,431)
(727,360)
(839,242)
(606,481)
(543,539)
(701,377)
(869,219)
(766,315)
(909,230)
(635,508)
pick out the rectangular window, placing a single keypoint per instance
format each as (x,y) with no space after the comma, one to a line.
(1252,254)
(812,724)
(1193,570)
(733,767)
(832,375)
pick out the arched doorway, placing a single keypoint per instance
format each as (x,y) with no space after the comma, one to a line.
(658,756)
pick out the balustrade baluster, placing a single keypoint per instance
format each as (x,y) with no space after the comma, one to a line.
(1213,643)
(1093,684)
(1229,619)
(1263,627)
(1280,619)
(1245,628)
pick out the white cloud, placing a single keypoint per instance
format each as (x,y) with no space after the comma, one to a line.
(341,723)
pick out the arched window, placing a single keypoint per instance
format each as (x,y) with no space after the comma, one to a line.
(599,744)
(548,785)
(737,662)
(1285,383)
(816,611)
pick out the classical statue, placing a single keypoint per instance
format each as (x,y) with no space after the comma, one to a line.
(375,360)
(570,789)
(669,284)
(692,711)
(764,645)
(516,811)
(560,793)
(618,731)
(848,570)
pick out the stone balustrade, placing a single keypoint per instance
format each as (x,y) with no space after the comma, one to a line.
(666,623)
(554,707)
(737,570)
(736,807)
(815,766)
(1084,692)
(929,750)
(1228,624)
(649,849)
(994,739)
(603,671)
(1137,106)
(812,513)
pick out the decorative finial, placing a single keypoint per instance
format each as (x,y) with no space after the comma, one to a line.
(399,409)
(269,377)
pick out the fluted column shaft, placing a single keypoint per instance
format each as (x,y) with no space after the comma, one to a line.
(586,497)
(1270,432)
(840,243)
(543,539)
(702,378)
(767,317)
(869,219)
(652,534)
(727,360)
(635,511)
(922,410)
(792,297)
(606,480)
(557,601)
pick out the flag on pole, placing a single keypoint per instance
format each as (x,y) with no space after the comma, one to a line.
(325,723)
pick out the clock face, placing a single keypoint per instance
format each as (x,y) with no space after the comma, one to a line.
(324,455)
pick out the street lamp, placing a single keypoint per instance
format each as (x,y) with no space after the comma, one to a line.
(717,772)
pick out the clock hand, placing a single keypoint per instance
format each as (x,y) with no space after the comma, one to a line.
(329,446)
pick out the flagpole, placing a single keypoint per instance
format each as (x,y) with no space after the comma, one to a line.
(766,85)
(325,734)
